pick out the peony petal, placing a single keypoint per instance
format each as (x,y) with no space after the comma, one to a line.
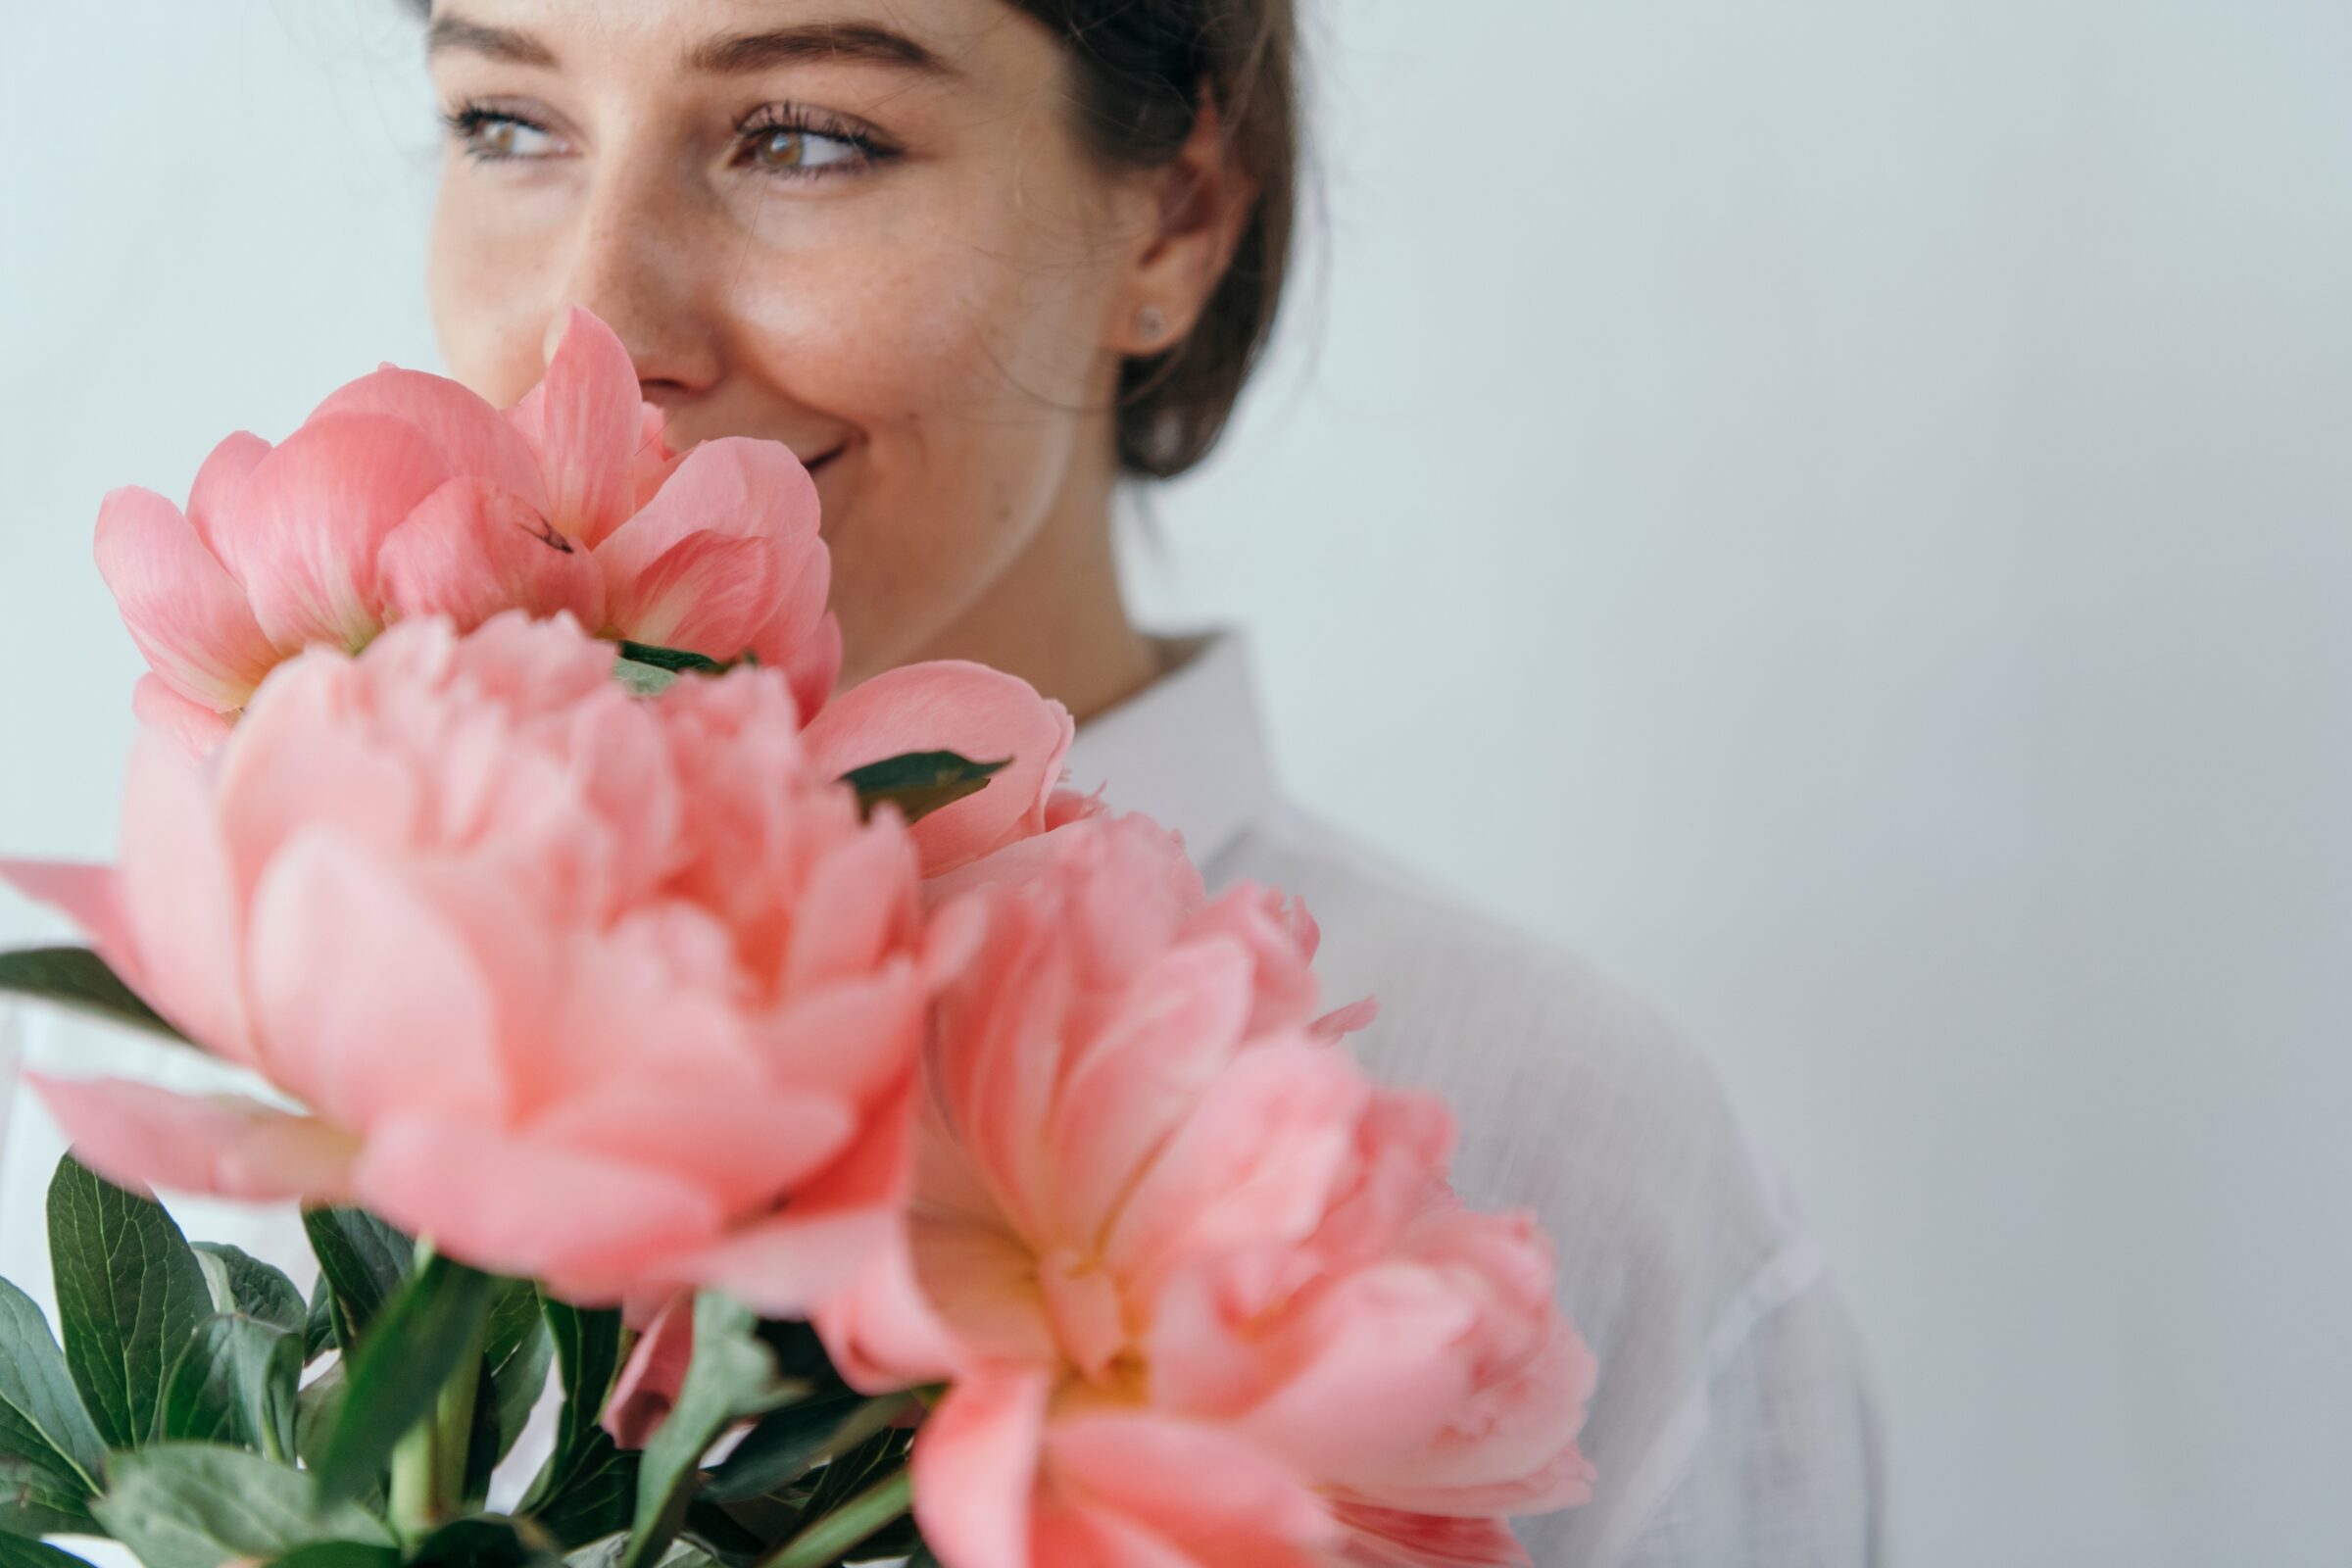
(648,1387)
(949,706)
(309,523)
(737,488)
(183,609)
(1258,1160)
(1142,1075)
(975,1467)
(1219,1497)
(1383,1538)
(786,1266)
(134,1134)
(854,1039)
(730,490)
(197,728)
(856,900)
(743,1149)
(813,668)
(512,1207)
(881,1330)
(830,1233)
(1379,1370)
(297,758)
(1511,1450)
(365,999)
(653,462)
(186,917)
(800,618)
(585,422)
(471,550)
(89,896)
(214,493)
(705,595)
(473,439)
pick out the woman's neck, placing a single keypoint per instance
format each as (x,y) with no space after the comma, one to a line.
(1056,616)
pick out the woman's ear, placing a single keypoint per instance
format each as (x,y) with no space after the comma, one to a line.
(1201,203)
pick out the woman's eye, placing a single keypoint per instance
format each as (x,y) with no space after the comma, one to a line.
(804,150)
(492,137)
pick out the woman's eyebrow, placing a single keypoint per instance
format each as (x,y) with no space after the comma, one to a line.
(451,31)
(820,42)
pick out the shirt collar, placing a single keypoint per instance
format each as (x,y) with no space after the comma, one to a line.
(1187,750)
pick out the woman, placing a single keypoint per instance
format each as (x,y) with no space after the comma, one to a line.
(977,261)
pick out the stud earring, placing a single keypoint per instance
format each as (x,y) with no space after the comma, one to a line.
(1149,323)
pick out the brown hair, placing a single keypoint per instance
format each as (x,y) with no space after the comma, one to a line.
(1146,71)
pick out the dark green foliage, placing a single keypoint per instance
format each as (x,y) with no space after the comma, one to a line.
(51,1456)
(421,1339)
(919,782)
(77,978)
(130,1296)
(198,1504)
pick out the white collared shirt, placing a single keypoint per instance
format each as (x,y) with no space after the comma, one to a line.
(1732,1422)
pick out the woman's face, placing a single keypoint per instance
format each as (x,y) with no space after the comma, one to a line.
(861,227)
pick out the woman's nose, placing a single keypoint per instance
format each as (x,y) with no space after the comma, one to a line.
(635,263)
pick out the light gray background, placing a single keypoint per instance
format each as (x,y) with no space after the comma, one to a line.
(1836,508)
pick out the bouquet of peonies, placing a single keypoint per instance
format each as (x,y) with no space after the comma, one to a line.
(849,1143)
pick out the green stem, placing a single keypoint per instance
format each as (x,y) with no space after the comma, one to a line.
(823,1542)
(409,1503)
(428,1463)
(453,1433)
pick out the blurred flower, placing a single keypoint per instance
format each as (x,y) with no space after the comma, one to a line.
(404,495)
(616,991)
(1201,1288)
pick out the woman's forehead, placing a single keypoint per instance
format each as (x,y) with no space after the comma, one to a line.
(932,38)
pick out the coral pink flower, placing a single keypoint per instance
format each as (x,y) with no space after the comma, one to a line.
(951,706)
(404,495)
(1203,1289)
(615,992)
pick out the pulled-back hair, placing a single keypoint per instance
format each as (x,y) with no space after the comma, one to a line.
(1146,70)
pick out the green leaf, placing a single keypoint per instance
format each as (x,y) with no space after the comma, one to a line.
(643,681)
(319,1323)
(129,1295)
(362,1260)
(316,1411)
(254,1288)
(518,1350)
(20,1553)
(430,1333)
(789,1442)
(50,1455)
(597,1498)
(607,1552)
(588,1487)
(732,1375)
(674,660)
(487,1543)
(77,978)
(338,1555)
(919,782)
(198,1505)
(235,1383)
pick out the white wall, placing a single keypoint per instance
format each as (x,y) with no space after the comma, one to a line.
(1836,508)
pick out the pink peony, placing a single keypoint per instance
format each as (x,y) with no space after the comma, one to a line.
(615,992)
(405,495)
(1203,1289)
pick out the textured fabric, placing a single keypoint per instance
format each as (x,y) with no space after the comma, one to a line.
(1731,1423)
